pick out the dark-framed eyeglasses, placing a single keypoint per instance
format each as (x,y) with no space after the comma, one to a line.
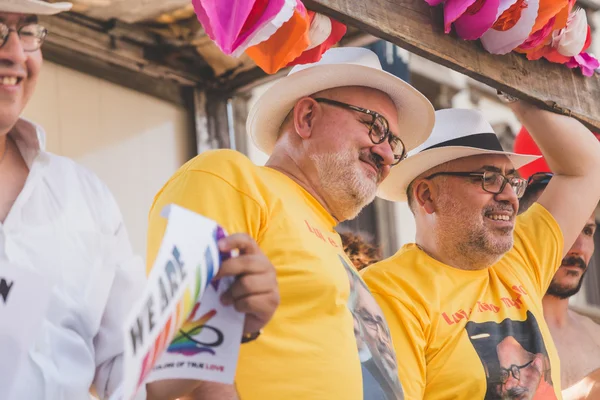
(379,128)
(515,370)
(31,36)
(491,181)
(539,178)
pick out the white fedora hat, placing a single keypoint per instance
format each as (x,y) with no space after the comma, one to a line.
(457,133)
(36,7)
(344,66)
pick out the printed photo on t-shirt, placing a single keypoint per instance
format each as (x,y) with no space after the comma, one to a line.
(374,342)
(514,358)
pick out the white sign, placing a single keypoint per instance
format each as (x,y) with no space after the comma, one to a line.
(186,263)
(24,298)
(207,345)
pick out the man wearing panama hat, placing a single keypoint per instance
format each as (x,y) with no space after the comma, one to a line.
(474,260)
(59,222)
(334,130)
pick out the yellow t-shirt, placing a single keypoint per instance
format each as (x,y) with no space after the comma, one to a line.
(465,334)
(309,349)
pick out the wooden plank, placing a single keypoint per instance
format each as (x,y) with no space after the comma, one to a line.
(134,10)
(125,56)
(415,26)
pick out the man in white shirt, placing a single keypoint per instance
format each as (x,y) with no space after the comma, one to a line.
(60,221)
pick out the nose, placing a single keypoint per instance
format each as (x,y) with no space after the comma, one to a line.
(12,52)
(511,383)
(384,151)
(583,246)
(508,195)
(381,334)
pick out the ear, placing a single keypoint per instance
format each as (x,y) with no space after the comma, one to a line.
(306,111)
(423,193)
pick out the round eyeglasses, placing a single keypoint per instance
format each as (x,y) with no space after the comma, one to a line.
(379,128)
(515,370)
(491,181)
(31,36)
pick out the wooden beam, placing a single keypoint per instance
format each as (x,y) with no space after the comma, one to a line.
(126,56)
(417,27)
(134,10)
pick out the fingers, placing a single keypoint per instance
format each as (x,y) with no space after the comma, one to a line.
(260,305)
(254,291)
(250,285)
(240,241)
(244,264)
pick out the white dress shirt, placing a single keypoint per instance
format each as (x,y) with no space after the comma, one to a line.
(66,226)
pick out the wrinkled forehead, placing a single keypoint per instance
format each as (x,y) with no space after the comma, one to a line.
(14,19)
(512,352)
(484,162)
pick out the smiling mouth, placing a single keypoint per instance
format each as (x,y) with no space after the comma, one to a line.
(10,80)
(498,217)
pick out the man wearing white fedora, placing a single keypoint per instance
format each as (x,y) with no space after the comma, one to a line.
(334,130)
(59,222)
(476,268)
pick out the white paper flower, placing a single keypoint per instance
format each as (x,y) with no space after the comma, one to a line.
(570,40)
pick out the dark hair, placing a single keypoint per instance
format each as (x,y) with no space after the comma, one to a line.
(532,193)
(359,250)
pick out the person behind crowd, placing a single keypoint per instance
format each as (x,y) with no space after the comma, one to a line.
(474,261)
(334,130)
(60,221)
(359,249)
(577,338)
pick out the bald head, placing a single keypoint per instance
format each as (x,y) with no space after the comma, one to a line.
(331,145)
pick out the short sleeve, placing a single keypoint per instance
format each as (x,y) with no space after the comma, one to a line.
(539,243)
(211,195)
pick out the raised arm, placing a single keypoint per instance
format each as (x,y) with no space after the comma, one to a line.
(573,154)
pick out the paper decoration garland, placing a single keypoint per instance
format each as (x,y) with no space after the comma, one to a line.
(234,26)
(314,51)
(479,17)
(548,29)
(267,25)
(274,33)
(570,40)
(512,31)
(285,45)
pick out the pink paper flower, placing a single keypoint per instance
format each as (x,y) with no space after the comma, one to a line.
(586,62)
(537,38)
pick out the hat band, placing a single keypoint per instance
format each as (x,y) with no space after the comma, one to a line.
(486,141)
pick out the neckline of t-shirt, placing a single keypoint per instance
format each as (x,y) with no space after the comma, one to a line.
(314,203)
(471,273)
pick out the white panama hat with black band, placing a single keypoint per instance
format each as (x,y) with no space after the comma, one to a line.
(457,133)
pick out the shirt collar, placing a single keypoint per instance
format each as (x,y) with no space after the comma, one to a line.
(30,139)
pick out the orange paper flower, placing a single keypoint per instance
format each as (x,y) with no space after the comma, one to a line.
(314,54)
(285,45)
